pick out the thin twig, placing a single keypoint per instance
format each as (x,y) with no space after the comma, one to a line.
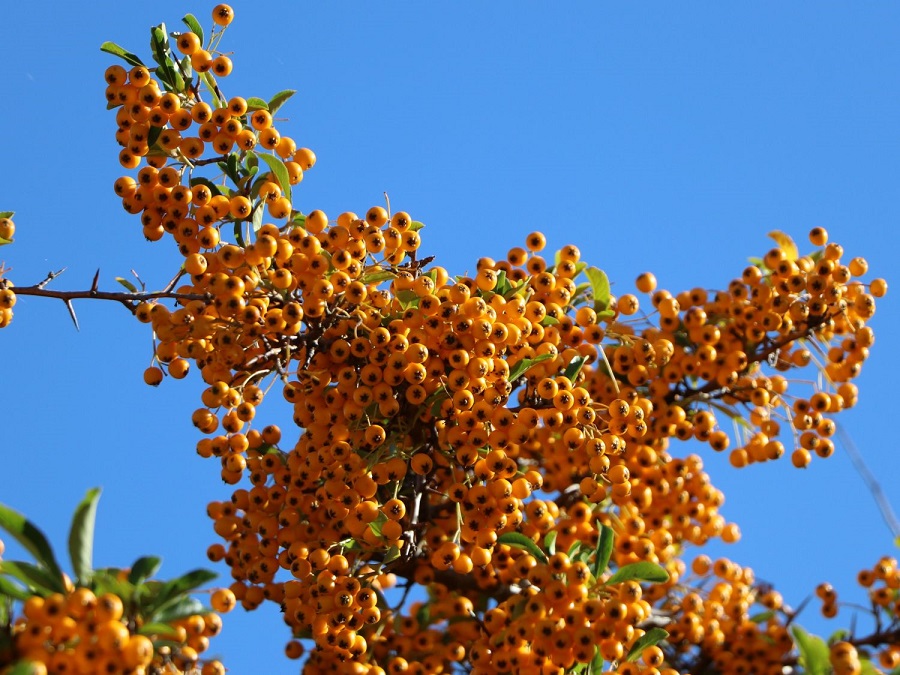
(884,506)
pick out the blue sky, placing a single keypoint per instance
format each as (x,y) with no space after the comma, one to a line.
(655,136)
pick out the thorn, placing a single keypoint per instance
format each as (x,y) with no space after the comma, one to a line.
(72,313)
(95,281)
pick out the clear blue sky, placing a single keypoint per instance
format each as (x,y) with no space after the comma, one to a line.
(656,136)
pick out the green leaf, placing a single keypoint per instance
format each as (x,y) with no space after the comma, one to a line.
(254,103)
(517,540)
(550,541)
(7,214)
(179,586)
(159,44)
(639,571)
(762,617)
(210,83)
(143,568)
(116,50)
(599,287)
(866,667)
(604,549)
(392,554)
(38,579)
(596,665)
(549,321)
(279,99)
(524,365)
(378,523)
(814,653)
(415,226)
(378,277)
(256,219)
(200,180)
(153,136)
(179,608)
(574,367)
(281,173)
(191,22)
(503,286)
(239,235)
(127,284)
(423,615)
(81,536)
(11,590)
(4,242)
(27,668)
(30,537)
(156,628)
(648,639)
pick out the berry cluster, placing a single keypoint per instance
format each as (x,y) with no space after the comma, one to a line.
(501,439)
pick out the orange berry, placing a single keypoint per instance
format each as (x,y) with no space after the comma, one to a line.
(222,15)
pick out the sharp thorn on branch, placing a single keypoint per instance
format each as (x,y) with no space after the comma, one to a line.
(72,314)
(95,283)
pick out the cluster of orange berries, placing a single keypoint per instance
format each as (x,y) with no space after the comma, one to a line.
(713,346)
(81,632)
(432,410)
(7,296)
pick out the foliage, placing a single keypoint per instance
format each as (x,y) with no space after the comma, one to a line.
(502,442)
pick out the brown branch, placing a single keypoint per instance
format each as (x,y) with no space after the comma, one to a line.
(129,300)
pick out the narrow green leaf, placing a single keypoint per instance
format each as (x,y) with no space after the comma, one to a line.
(814,653)
(599,287)
(279,99)
(550,542)
(180,586)
(392,554)
(549,321)
(574,548)
(524,365)
(604,549)
(179,608)
(200,180)
(423,615)
(29,536)
(127,284)
(866,667)
(210,83)
(574,367)
(4,242)
(106,580)
(7,214)
(378,523)
(378,277)
(11,590)
(605,314)
(27,668)
(648,639)
(152,628)
(254,103)
(81,536)
(191,22)
(281,173)
(596,665)
(153,136)
(143,568)
(415,226)
(116,50)
(239,235)
(38,579)
(640,571)
(256,219)
(159,44)
(517,540)
(762,617)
